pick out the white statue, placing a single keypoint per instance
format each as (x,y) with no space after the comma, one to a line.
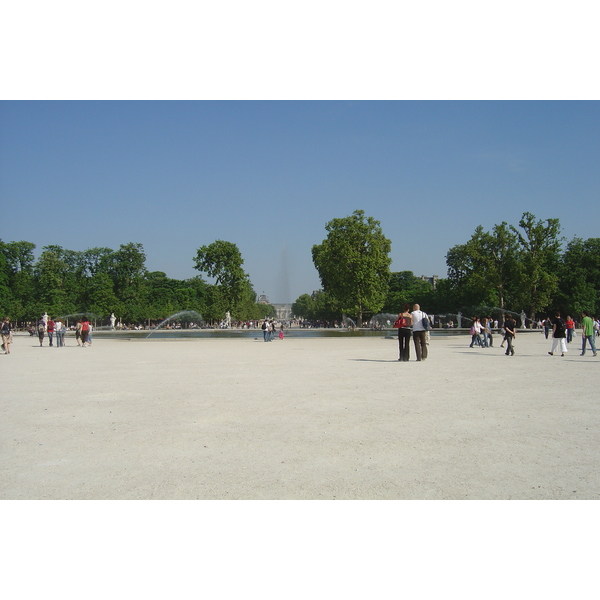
(112,320)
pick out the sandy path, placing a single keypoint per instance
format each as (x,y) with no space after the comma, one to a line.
(299,419)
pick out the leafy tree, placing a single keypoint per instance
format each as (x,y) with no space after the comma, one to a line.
(483,270)
(325,307)
(100,296)
(538,258)
(405,287)
(52,274)
(5,292)
(128,272)
(223,261)
(579,284)
(19,256)
(96,260)
(199,290)
(353,264)
(303,307)
(18,266)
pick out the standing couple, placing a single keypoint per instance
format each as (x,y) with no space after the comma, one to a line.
(419,321)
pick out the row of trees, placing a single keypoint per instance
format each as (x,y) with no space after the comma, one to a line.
(524,268)
(528,269)
(102,281)
(519,268)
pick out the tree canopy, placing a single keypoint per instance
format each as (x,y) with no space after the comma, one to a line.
(102,281)
(353,264)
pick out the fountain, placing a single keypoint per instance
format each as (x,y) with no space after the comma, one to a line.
(382,321)
(184,319)
(348,323)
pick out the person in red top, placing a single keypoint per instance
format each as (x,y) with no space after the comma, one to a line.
(50,328)
(85,329)
(570,327)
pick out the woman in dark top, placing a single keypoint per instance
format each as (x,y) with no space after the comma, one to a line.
(6,335)
(559,334)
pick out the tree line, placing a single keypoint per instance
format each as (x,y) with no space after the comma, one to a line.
(524,268)
(528,267)
(101,281)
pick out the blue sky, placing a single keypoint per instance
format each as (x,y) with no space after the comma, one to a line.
(268,175)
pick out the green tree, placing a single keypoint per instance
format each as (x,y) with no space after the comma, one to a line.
(19,262)
(405,287)
(579,284)
(128,272)
(325,307)
(483,270)
(100,297)
(96,260)
(199,290)
(52,275)
(353,264)
(303,306)
(5,292)
(223,261)
(538,260)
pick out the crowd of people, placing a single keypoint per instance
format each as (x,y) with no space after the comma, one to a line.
(55,330)
(415,325)
(562,332)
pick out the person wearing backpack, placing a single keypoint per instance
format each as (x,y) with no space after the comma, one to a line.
(403,323)
(265,330)
(41,329)
(559,334)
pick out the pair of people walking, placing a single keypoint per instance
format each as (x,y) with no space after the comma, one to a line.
(560,334)
(419,322)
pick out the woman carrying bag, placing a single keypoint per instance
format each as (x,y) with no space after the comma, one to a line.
(403,324)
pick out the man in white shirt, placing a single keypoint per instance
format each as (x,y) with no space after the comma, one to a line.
(419,332)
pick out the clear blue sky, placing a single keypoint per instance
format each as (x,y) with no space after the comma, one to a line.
(268,175)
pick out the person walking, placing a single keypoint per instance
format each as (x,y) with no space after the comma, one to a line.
(510,333)
(547,326)
(6,332)
(403,323)
(60,329)
(420,325)
(265,330)
(488,328)
(41,329)
(570,325)
(50,329)
(85,328)
(559,334)
(587,333)
(485,332)
(476,333)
